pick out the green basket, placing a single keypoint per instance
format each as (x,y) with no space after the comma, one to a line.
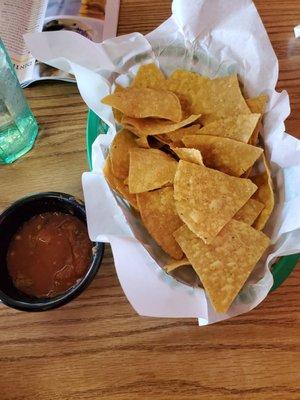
(95,126)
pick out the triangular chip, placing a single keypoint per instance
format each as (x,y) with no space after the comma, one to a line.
(226,155)
(118,185)
(150,169)
(265,195)
(257,104)
(215,98)
(187,85)
(206,199)
(224,265)
(159,216)
(249,212)
(154,126)
(191,155)
(145,102)
(239,128)
(150,76)
(225,99)
(119,153)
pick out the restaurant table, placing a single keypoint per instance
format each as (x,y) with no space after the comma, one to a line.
(97,347)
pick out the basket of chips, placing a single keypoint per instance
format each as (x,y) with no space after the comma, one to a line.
(164,166)
(192,177)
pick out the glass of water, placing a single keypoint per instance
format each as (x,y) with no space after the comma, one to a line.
(18,127)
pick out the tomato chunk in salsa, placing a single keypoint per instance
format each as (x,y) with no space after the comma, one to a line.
(49,254)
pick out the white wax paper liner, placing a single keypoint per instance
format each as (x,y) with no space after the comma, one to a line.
(212,37)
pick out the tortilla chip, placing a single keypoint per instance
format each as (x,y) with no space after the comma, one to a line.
(207,199)
(173,264)
(176,136)
(257,104)
(187,85)
(265,195)
(118,185)
(150,76)
(154,126)
(191,155)
(225,98)
(159,216)
(239,128)
(118,115)
(142,142)
(214,98)
(224,265)
(226,155)
(150,169)
(145,102)
(119,153)
(249,212)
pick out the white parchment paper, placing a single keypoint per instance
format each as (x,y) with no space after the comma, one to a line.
(212,37)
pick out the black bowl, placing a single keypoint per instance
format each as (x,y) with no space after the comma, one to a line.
(10,221)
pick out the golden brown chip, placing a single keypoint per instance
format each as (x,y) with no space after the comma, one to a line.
(118,115)
(118,185)
(150,169)
(224,265)
(214,98)
(257,104)
(239,128)
(207,199)
(249,212)
(150,76)
(176,136)
(159,216)
(154,126)
(119,153)
(225,99)
(146,102)
(142,142)
(191,155)
(173,264)
(265,195)
(187,85)
(226,155)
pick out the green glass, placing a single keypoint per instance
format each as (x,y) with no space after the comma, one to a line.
(18,127)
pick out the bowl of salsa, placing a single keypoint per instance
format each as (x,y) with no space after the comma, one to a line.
(46,256)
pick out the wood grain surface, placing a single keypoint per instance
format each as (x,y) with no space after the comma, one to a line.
(96,347)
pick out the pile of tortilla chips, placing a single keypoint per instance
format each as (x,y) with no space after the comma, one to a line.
(185,159)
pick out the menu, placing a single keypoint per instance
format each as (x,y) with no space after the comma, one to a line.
(96,20)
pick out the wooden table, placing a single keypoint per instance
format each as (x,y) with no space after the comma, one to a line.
(96,347)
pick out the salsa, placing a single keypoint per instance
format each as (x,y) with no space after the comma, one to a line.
(49,254)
